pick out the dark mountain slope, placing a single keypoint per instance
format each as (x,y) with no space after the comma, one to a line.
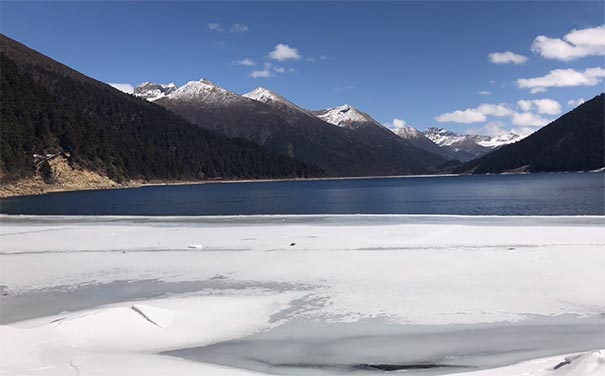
(286,129)
(574,142)
(47,107)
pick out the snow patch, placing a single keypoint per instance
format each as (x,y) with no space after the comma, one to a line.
(344,115)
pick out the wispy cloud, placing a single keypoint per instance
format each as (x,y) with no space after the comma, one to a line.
(562,78)
(497,128)
(484,92)
(475,115)
(126,88)
(238,28)
(542,106)
(497,110)
(397,124)
(245,62)
(215,26)
(576,102)
(574,45)
(283,52)
(467,116)
(528,119)
(507,57)
(261,73)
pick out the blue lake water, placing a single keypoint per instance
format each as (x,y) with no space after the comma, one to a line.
(532,194)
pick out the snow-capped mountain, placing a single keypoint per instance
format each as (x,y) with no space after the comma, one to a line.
(359,145)
(200,91)
(365,130)
(443,137)
(269,97)
(468,146)
(497,141)
(419,140)
(344,116)
(152,91)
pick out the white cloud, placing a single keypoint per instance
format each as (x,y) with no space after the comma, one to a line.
(310,59)
(525,105)
(126,88)
(506,57)
(484,92)
(467,116)
(215,26)
(497,128)
(562,78)
(574,45)
(261,73)
(323,57)
(475,115)
(542,106)
(528,119)
(498,110)
(283,52)
(279,69)
(576,102)
(547,106)
(396,124)
(494,128)
(246,62)
(238,28)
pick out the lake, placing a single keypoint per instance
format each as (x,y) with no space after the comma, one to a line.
(529,194)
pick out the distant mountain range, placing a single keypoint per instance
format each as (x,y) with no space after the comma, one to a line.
(358,146)
(197,104)
(201,131)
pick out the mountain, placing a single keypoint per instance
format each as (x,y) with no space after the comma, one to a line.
(366,130)
(346,116)
(573,142)
(48,109)
(419,140)
(153,92)
(494,142)
(274,122)
(466,147)
(261,94)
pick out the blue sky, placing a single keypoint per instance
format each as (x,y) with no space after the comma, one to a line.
(419,62)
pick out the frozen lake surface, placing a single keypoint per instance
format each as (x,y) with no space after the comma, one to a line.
(298,295)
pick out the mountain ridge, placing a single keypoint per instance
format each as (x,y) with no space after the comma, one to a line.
(276,123)
(573,142)
(49,108)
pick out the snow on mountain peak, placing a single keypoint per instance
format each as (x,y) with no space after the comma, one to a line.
(500,140)
(265,95)
(407,132)
(152,91)
(344,115)
(199,89)
(443,137)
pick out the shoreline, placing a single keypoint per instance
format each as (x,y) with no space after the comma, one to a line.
(36,188)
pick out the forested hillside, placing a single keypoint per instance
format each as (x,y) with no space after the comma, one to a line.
(574,142)
(47,107)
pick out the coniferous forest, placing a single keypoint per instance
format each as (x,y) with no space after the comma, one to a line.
(573,142)
(49,108)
